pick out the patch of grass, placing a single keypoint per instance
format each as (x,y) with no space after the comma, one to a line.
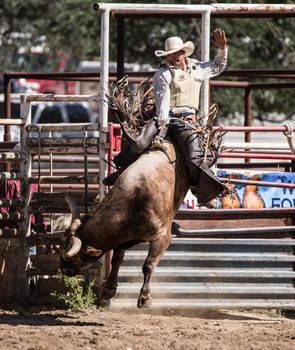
(275,313)
(76,298)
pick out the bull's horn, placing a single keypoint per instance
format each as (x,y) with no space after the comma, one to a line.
(76,221)
(75,225)
(73,207)
(75,246)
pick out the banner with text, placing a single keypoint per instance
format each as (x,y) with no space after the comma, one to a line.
(250,195)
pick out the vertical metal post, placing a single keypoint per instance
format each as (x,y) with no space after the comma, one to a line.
(104,80)
(51,186)
(25,173)
(7,106)
(248,112)
(85,170)
(248,116)
(26,162)
(120,47)
(205,53)
(111,147)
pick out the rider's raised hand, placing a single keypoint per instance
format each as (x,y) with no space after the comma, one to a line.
(219,38)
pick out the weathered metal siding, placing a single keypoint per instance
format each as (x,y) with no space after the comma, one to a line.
(244,263)
(215,273)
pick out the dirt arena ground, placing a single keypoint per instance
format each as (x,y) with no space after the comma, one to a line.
(144,329)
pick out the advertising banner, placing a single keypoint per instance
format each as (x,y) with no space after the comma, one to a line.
(250,195)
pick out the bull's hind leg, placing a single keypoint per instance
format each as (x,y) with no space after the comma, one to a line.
(111,284)
(157,248)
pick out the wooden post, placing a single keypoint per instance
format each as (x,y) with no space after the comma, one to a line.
(13,263)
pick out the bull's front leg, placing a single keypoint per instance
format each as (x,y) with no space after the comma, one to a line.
(157,248)
(111,284)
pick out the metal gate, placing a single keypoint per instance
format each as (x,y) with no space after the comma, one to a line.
(41,172)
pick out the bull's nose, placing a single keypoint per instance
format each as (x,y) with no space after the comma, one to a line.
(69,272)
(65,271)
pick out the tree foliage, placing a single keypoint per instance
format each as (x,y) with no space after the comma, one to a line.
(68,26)
(73,27)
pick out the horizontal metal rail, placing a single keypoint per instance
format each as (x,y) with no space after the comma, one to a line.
(14,203)
(252,128)
(45,238)
(248,155)
(70,187)
(10,176)
(65,150)
(63,127)
(184,256)
(191,288)
(139,76)
(263,152)
(62,141)
(209,273)
(267,73)
(277,166)
(194,256)
(62,179)
(66,159)
(59,98)
(11,121)
(221,13)
(236,212)
(252,86)
(10,155)
(236,231)
(190,304)
(237,242)
(11,216)
(11,232)
(65,171)
(257,183)
(256,145)
(183,9)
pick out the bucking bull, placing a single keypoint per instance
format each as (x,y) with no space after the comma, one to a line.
(139,207)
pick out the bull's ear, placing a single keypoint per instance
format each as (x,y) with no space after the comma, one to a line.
(92,251)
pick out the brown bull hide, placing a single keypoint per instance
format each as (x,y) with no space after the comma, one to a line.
(139,207)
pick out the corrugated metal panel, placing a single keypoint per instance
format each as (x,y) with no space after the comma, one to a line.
(283,304)
(214,273)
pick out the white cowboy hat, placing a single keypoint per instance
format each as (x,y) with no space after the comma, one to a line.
(174,44)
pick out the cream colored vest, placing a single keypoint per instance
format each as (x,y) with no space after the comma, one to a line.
(185,88)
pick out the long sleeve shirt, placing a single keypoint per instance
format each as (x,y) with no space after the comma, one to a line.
(163,78)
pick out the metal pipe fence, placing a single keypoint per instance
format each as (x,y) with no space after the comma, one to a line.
(278,230)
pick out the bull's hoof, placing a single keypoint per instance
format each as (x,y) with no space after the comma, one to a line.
(144,302)
(108,293)
(104,302)
(104,295)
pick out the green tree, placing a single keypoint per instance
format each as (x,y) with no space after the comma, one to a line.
(56,26)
